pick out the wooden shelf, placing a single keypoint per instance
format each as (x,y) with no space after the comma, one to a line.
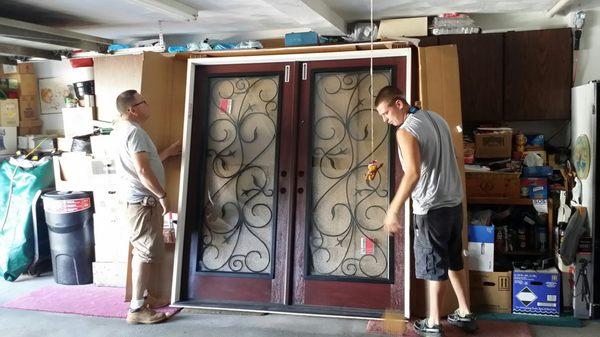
(499,201)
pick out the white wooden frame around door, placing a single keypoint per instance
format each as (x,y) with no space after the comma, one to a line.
(187,131)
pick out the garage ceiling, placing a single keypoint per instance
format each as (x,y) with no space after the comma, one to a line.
(128,19)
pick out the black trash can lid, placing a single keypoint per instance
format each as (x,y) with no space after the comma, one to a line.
(66,202)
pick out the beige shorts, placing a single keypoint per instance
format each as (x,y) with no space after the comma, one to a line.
(146,235)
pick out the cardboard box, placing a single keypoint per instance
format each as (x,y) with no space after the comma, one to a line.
(107,200)
(78,121)
(73,172)
(493,145)
(111,237)
(111,274)
(116,251)
(402,27)
(42,143)
(27,84)
(28,107)
(19,68)
(8,140)
(481,248)
(493,184)
(64,144)
(491,292)
(536,292)
(9,112)
(30,127)
(104,146)
(534,188)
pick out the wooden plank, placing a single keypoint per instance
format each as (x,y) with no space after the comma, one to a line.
(112,76)
(294,50)
(499,201)
(440,92)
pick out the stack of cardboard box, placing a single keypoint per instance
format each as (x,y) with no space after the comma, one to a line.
(23,87)
(110,230)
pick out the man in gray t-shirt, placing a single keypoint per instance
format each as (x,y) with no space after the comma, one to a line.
(143,177)
(431,178)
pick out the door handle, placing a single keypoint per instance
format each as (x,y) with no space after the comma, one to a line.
(300,190)
(282,190)
(283,173)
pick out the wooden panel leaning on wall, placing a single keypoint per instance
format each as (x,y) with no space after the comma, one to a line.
(161,80)
(439,91)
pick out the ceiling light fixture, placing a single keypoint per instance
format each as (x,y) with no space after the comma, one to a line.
(173,9)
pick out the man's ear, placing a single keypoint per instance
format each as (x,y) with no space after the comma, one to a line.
(399,103)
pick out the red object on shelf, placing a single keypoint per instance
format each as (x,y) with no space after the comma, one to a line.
(82,62)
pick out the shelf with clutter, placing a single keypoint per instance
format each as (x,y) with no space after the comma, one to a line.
(516,188)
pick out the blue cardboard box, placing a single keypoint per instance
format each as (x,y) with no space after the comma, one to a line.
(536,292)
(481,248)
(301,39)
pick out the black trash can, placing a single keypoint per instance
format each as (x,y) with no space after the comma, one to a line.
(69,216)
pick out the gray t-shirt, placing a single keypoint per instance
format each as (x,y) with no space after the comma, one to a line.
(440,184)
(130,139)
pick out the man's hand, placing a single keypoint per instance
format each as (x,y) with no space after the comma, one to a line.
(164,203)
(391,223)
(173,150)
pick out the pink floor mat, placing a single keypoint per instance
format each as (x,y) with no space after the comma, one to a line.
(87,300)
(486,328)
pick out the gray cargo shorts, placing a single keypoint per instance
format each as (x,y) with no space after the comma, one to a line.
(438,243)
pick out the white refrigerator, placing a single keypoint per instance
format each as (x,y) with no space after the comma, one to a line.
(584,154)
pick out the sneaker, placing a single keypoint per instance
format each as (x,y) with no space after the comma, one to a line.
(145,315)
(423,329)
(467,322)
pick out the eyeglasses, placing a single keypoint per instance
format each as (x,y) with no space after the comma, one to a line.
(138,103)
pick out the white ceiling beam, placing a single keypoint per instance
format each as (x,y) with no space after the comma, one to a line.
(558,7)
(171,8)
(313,14)
(60,37)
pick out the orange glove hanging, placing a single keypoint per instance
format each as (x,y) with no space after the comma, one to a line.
(372,169)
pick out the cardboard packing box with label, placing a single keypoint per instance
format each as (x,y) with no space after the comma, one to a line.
(30,127)
(9,112)
(481,248)
(493,145)
(536,292)
(491,292)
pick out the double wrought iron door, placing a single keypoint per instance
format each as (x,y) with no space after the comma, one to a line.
(280,215)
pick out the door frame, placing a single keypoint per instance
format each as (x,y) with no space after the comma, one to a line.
(182,251)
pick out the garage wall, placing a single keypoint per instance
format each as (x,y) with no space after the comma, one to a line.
(589,53)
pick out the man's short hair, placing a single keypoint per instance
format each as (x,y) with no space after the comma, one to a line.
(389,95)
(125,100)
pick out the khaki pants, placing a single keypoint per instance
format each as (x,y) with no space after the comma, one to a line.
(148,245)
(146,235)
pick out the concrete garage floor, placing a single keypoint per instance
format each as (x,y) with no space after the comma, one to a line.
(32,323)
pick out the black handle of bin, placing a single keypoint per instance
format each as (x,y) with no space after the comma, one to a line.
(65,229)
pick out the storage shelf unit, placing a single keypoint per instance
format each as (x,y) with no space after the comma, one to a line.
(519,202)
